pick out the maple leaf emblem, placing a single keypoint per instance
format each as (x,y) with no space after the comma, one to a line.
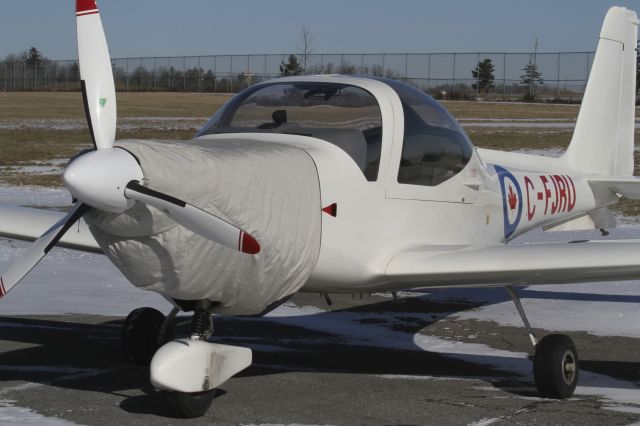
(513,199)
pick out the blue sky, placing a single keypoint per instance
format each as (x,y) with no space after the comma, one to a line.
(205,27)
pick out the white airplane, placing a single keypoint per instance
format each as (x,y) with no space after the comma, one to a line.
(333,184)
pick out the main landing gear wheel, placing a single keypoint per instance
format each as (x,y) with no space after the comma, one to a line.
(140,335)
(555,366)
(189,405)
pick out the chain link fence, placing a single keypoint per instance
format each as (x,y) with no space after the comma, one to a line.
(562,76)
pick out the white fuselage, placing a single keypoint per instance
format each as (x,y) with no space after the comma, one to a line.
(481,205)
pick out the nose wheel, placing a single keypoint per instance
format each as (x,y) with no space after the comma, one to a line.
(189,405)
(187,370)
(555,363)
(140,335)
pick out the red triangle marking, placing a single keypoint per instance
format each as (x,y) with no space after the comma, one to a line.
(332,209)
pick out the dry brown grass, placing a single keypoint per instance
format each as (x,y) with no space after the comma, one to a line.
(27,146)
(61,105)
(507,110)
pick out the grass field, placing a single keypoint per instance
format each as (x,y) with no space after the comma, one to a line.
(41,130)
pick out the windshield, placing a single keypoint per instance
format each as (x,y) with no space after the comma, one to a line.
(344,115)
(434,148)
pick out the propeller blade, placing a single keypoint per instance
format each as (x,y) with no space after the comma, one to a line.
(195,219)
(96,76)
(39,249)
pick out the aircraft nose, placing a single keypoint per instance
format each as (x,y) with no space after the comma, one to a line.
(99,179)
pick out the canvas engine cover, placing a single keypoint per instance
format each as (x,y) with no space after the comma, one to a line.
(269,190)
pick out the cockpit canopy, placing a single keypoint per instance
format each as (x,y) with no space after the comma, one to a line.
(434,148)
(347,116)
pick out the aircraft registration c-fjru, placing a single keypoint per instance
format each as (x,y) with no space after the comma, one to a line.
(333,184)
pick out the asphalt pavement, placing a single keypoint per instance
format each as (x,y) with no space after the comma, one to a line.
(308,371)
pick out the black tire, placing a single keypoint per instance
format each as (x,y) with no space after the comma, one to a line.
(140,334)
(189,405)
(556,366)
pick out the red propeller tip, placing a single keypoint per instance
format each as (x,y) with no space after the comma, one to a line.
(249,244)
(83,6)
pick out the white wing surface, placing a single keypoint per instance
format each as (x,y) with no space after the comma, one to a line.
(29,224)
(526,264)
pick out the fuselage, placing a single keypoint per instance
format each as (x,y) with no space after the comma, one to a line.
(486,201)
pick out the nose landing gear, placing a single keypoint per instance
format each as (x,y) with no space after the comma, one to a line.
(186,371)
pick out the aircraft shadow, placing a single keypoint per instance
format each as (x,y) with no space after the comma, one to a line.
(373,339)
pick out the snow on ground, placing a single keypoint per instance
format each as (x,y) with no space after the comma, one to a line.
(128,123)
(524,124)
(549,152)
(10,414)
(619,395)
(68,281)
(34,196)
(602,308)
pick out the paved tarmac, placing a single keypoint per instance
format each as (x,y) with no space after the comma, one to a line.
(307,370)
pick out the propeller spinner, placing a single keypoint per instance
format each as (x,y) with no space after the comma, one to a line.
(108,178)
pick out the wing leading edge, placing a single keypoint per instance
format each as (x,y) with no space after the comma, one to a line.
(28,224)
(526,264)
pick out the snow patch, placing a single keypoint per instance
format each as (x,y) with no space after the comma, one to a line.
(10,414)
(34,196)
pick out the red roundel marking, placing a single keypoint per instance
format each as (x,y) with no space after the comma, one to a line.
(85,6)
(248,244)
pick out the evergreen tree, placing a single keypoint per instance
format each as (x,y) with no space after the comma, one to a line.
(291,68)
(33,56)
(531,78)
(484,76)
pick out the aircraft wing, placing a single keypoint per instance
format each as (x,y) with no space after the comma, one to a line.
(28,224)
(521,264)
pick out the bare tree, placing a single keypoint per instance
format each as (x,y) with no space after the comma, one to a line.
(306,46)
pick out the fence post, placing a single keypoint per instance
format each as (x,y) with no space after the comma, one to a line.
(504,77)
(558,84)
(429,71)
(406,66)
(453,87)
(478,77)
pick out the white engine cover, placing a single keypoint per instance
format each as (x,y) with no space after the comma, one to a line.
(190,366)
(270,190)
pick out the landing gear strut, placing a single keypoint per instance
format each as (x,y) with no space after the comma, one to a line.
(555,363)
